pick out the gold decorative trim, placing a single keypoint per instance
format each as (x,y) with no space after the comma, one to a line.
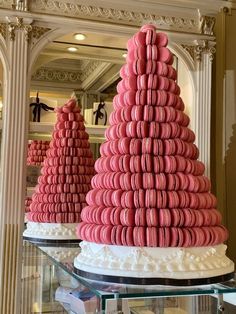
(190,50)
(207,24)
(3,30)
(19,25)
(56,75)
(38,31)
(32,32)
(205,47)
(20,5)
(89,69)
(6,4)
(196,51)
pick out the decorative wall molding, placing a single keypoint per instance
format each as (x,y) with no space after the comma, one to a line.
(32,32)
(3,30)
(53,74)
(56,75)
(37,32)
(19,24)
(89,69)
(8,4)
(206,47)
(66,8)
(207,24)
(190,49)
(20,5)
(196,51)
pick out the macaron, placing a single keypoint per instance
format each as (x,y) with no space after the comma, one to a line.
(140,217)
(152,218)
(139,236)
(127,217)
(165,55)
(152,237)
(164,217)
(161,39)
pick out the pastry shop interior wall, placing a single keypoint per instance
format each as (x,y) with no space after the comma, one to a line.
(90,73)
(222,171)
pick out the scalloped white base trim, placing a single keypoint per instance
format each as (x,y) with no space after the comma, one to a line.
(50,231)
(61,254)
(148,262)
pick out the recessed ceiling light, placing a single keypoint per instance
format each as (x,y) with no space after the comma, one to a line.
(72,49)
(79,36)
(124,55)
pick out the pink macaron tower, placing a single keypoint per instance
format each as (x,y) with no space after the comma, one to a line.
(37,152)
(150,213)
(64,181)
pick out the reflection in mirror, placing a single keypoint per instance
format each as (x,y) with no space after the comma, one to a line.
(88,69)
(88,64)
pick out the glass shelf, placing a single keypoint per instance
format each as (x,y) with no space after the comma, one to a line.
(47,127)
(61,259)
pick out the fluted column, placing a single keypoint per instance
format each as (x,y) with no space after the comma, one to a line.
(13,165)
(202,109)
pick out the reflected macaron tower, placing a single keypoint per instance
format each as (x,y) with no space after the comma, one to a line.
(35,156)
(151,217)
(37,152)
(65,179)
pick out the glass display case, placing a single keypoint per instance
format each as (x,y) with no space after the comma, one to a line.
(49,285)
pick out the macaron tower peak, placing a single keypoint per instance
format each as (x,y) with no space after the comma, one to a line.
(64,180)
(150,211)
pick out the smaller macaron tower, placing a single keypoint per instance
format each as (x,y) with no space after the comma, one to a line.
(64,181)
(37,152)
(151,218)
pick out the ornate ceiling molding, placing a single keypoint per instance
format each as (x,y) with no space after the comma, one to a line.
(55,75)
(90,69)
(66,8)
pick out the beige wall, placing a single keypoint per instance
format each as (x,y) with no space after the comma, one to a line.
(224,124)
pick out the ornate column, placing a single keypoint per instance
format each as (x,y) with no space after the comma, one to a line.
(202,110)
(202,55)
(13,165)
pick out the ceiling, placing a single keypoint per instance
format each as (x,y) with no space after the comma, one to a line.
(94,66)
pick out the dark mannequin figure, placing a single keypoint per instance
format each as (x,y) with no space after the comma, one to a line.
(99,114)
(37,108)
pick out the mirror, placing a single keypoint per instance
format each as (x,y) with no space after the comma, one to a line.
(88,67)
